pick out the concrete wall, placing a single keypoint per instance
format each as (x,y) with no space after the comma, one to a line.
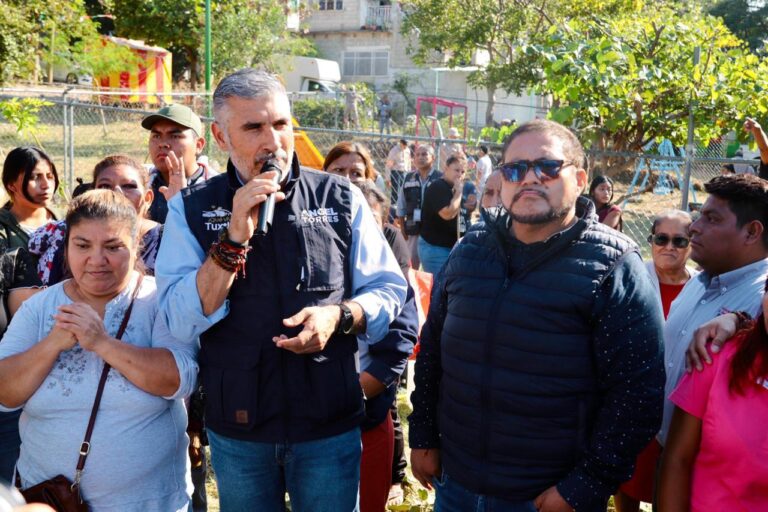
(336,32)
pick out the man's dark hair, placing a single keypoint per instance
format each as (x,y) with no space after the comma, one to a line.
(403,142)
(453,159)
(747,197)
(484,149)
(572,148)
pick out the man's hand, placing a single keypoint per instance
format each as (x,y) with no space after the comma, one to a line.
(84,322)
(716,331)
(177,176)
(195,450)
(319,325)
(245,205)
(750,125)
(425,464)
(458,187)
(551,501)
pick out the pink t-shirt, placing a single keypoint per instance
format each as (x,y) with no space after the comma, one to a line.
(731,469)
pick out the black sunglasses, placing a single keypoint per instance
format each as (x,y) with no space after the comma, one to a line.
(543,169)
(662,240)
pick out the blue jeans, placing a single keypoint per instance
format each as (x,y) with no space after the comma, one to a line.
(385,123)
(9,444)
(452,497)
(319,476)
(432,257)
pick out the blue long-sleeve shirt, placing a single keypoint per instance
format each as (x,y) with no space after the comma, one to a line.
(386,360)
(378,284)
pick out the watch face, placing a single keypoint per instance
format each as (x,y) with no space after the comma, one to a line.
(347,320)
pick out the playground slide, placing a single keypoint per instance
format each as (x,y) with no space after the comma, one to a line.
(306,150)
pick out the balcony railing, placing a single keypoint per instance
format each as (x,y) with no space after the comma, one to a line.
(379,18)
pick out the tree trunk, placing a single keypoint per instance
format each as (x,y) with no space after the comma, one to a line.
(491,91)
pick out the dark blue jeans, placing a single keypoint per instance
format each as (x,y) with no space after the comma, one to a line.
(319,476)
(9,443)
(452,497)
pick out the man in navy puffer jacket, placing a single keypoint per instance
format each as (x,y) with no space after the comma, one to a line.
(540,375)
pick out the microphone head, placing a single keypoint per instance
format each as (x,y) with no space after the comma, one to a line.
(273,162)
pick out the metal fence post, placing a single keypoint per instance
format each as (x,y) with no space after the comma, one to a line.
(71,177)
(65,142)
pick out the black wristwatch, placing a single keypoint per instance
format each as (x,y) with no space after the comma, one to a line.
(224,237)
(346,320)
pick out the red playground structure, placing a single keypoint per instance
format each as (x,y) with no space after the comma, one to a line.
(436,103)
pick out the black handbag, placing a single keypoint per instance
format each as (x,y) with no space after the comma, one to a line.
(59,492)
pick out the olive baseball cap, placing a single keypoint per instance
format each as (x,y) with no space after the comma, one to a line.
(179,114)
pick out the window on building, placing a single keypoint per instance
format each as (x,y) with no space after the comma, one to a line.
(330,5)
(366,63)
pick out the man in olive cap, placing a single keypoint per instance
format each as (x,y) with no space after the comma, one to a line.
(175,144)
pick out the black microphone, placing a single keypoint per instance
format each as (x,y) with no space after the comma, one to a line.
(267,210)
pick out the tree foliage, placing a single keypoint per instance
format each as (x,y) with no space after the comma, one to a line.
(177,25)
(22,113)
(33,32)
(452,32)
(747,19)
(253,33)
(627,80)
(244,32)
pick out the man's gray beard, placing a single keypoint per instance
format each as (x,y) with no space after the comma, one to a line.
(540,218)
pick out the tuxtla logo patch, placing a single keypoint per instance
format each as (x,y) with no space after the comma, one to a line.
(216,218)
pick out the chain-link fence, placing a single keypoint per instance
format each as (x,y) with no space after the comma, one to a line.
(351,110)
(77,133)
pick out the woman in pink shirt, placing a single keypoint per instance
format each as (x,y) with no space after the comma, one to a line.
(716,456)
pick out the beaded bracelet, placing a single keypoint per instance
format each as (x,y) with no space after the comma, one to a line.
(229,257)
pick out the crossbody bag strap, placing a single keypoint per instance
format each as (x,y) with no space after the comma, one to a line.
(85,448)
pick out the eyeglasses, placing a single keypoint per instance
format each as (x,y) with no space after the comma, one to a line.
(679,242)
(544,169)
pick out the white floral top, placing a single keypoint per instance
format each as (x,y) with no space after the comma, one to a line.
(138,460)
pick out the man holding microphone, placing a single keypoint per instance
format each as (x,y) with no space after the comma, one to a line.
(278,314)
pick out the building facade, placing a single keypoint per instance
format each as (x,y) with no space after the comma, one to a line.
(364,37)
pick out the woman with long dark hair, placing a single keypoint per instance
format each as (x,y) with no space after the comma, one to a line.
(716,456)
(601,193)
(31,180)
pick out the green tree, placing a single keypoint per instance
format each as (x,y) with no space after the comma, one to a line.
(22,113)
(748,19)
(452,32)
(630,79)
(244,32)
(177,25)
(253,33)
(17,54)
(34,32)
